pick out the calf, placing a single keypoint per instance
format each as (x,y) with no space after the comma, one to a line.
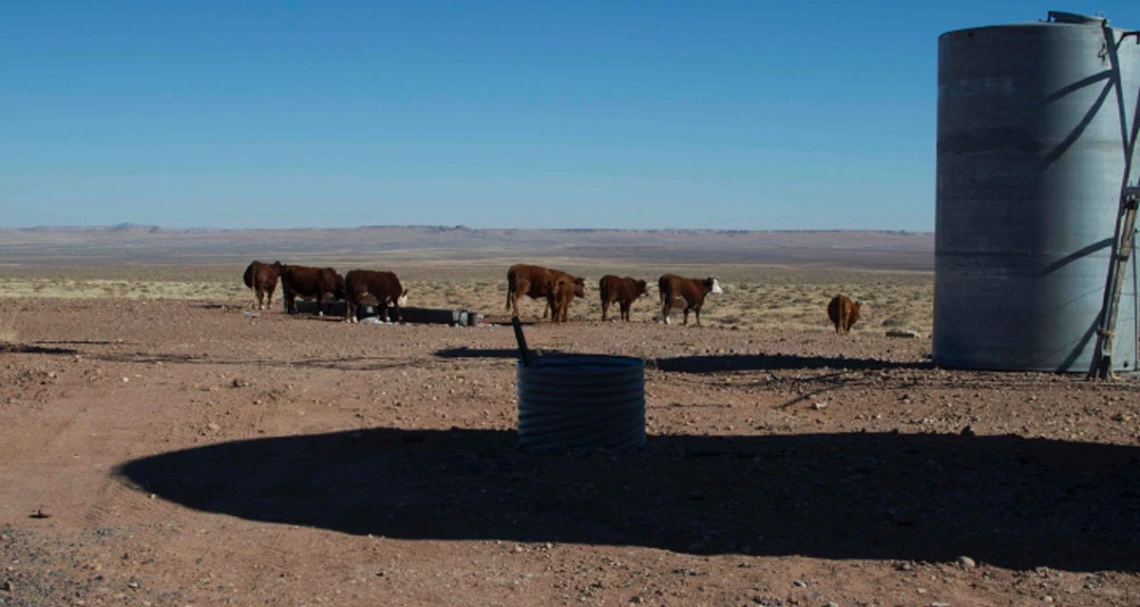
(384,286)
(622,290)
(310,282)
(560,293)
(843,313)
(536,282)
(262,278)
(676,290)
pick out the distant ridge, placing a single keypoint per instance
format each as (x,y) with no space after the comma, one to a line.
(135,243)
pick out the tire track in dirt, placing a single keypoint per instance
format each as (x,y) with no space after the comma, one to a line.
(34,447)
(119,502)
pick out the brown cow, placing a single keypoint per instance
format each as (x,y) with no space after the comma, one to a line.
(689,293)
(843,313)
(310,282)
(560,293)
(262,278)
(384,286)
(622,290)
(536,282)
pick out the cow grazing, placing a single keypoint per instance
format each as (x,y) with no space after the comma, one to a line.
(689,293)
(536,282)
(308,282)
(843,313)
(384,286)
(262,278)
(624,291)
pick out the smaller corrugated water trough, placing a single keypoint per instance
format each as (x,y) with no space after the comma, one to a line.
(436,316)
(581,402)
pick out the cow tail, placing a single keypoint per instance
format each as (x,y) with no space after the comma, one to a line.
(510,288)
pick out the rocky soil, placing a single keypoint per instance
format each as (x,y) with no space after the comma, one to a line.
(185,453)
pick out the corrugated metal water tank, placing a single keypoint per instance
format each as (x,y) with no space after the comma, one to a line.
(1033,123)
(580,402)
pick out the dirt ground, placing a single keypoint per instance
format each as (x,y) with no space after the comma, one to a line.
(181,452)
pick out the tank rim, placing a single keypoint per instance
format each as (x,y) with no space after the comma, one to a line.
(1032,24)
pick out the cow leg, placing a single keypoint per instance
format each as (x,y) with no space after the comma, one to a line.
(697,311)
(269,296)
(605,309)
(546,310)
(625,312)
(686,323)
(665,312)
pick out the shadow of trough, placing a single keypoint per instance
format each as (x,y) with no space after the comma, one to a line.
(1004,500)
(777,362)
(33,349)
(465,352)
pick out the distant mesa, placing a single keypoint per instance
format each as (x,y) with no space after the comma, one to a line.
(134,228)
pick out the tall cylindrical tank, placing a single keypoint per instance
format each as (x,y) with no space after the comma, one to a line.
(1034,122)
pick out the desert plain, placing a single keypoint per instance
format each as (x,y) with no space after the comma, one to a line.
(162,443)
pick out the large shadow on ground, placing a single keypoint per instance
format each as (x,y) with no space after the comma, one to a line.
(1004,500)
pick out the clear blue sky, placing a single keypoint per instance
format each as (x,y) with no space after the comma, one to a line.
(612,113)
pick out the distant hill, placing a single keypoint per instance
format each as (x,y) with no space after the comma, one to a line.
(131,243)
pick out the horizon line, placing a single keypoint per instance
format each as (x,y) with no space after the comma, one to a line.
(129,225)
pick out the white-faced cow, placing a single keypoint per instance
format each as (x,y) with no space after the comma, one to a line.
(308,282)
(624,291)
(843,313)
(536,282)
(384,286)
(262,278)
(689,293)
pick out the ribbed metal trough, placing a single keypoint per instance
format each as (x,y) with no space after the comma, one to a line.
(581,402)
(438,316)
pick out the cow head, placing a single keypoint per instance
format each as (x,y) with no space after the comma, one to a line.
(642,288)
(713,286)
(339,289)
(402,300)
(579,286)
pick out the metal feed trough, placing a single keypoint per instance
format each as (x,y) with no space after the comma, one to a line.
(434,316)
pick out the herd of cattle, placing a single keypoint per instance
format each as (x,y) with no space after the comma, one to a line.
(558,288)
(356,288)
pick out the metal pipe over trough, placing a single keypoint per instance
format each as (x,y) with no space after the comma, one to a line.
(581,402)
(1037,124)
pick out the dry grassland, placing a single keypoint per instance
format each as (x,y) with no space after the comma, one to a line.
(755,296)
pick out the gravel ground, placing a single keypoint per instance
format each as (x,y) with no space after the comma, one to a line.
(184,453)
